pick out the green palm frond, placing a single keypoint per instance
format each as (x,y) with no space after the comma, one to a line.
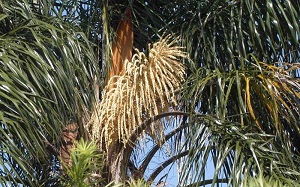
(267,94)
(261,181)
(256,108)
(221,34)
(244,71)
(243,74)
(236,153)
(46,73)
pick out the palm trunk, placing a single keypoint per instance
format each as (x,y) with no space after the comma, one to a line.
(68,137)
(117,155)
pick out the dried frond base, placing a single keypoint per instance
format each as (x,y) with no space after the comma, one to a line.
(147,88)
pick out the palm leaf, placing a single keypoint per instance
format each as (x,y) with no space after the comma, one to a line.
(46,76)
(226,41)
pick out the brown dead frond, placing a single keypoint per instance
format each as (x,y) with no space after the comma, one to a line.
(147,88)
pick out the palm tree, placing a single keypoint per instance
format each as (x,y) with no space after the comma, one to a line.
(238,105)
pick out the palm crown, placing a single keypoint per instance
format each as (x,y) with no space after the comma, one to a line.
(224,89)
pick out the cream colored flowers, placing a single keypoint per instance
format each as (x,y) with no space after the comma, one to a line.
(147,88)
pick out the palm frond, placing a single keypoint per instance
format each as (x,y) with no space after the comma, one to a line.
(46,74)
(258,104)
(261,181)
(236,153)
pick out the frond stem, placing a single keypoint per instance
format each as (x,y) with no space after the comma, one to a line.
(209,181)
(150,155)
(165,164)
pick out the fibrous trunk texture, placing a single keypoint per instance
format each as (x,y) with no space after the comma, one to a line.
(68,138)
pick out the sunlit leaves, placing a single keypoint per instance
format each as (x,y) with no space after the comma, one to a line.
(86,163)
(46,73)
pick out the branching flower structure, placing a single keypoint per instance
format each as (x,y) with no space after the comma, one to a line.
(146,88)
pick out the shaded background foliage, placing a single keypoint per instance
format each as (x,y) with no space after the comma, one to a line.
(47,75)
(47,71)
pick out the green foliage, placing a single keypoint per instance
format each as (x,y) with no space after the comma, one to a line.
(254,105)
(47,69)
(261,181)
(85,163)
(138,183)
(251,109)
(242,72)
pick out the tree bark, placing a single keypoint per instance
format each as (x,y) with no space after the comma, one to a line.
(68,137)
